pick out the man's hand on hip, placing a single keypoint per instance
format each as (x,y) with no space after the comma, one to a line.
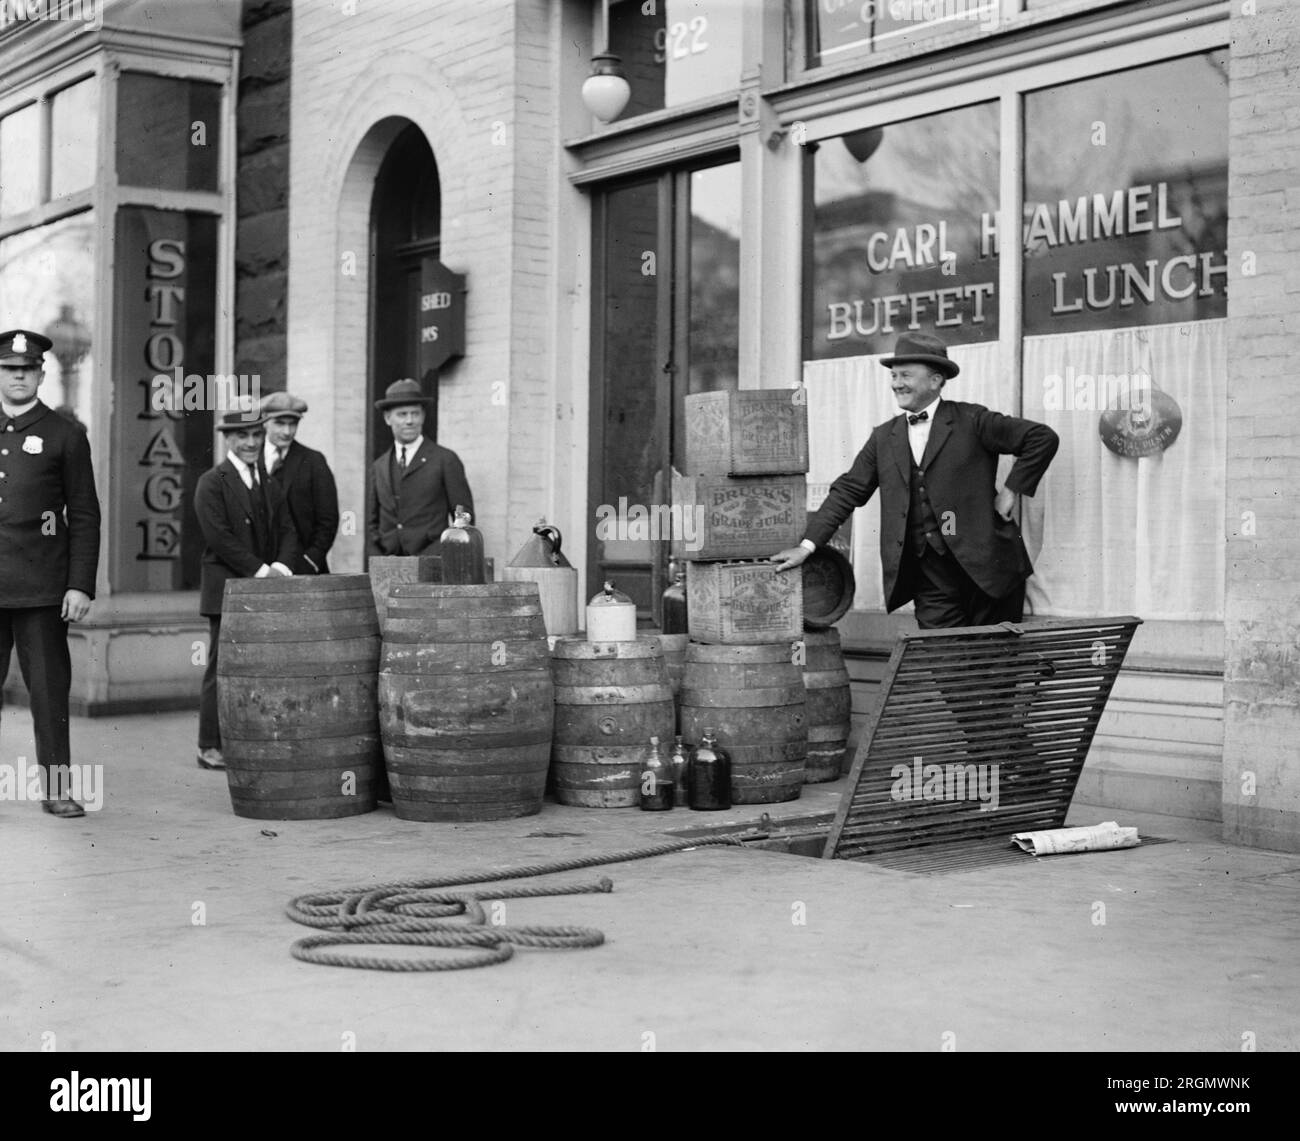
(76,605)
(1005,503)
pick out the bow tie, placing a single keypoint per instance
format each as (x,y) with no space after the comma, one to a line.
(918,418)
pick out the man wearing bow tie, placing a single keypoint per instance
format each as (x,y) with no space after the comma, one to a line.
(949,540)
(417,485)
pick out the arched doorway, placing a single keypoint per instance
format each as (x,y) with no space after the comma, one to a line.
(405,228)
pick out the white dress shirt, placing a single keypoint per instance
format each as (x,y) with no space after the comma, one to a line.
(410,449)
(272,456)
(918,435)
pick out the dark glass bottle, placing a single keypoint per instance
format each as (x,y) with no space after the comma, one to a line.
(681,765)
(674,600)
(462,552)
(656,779)
(710,775)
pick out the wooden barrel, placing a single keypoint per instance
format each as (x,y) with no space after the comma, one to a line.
(610,699)
(753,696)
(829,705)
(465,701)
(828,588)
(296,676)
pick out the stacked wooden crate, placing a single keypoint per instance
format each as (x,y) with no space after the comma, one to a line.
(742,499)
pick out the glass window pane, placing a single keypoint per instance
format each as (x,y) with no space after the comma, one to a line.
(714,343)
(676,51)
(842,29)
(74,122)
(1129,226)
(902,233)
(47,283)
(168,132)
(1125,348)
(20,160)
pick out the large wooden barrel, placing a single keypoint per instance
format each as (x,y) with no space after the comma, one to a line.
(829,705)
(466,701)
(296,675)
(753,696)
(610,699)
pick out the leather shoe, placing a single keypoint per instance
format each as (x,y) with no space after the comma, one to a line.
(211,759)
(63,807)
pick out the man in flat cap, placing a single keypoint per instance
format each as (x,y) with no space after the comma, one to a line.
(417,485)
(949,540)
(304,477)
(49,550)
(247,533)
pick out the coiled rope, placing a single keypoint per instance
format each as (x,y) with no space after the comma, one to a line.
(416,913)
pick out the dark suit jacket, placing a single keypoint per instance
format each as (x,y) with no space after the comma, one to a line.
(47,473)
(313,504)
(960,465)
(408,518)
(225,512)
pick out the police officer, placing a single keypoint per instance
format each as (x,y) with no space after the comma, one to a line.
(311,497)
(49,550)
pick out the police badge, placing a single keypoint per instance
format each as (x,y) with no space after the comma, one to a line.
(33,445)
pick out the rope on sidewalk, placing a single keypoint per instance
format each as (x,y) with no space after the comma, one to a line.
(415,913)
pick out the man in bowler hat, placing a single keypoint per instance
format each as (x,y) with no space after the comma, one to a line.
(949,540)
(304,477)
(49,550)
(247,533)
(417,485)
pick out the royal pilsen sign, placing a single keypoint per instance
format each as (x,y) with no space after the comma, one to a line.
(1066,240)
(22,13)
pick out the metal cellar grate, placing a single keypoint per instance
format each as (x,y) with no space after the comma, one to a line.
(977,733)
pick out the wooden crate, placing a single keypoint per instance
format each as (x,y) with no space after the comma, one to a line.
(729,517)
(743,603)
(752,432)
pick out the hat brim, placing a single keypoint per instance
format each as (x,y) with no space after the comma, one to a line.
(402,402)
(945,365)
(240,425)
(22,358)
(281,414)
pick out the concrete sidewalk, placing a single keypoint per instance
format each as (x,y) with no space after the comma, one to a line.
(704,949)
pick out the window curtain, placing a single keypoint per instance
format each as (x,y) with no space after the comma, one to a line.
(1107,534)
(1122,535)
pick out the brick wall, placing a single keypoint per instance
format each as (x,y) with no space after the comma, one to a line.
(477,79)
(262,191)
(1261,774)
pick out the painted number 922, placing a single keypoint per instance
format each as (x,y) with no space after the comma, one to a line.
(687,39)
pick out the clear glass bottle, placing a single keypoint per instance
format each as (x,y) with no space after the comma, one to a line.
(656,779)
(710,775)
(681,764)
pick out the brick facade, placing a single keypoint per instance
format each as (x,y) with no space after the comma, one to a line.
(1261,757)
(477,80)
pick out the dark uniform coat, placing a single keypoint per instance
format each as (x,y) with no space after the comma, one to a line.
(224,507)
(960,468)
(49,512)
(409,511)
(312,501)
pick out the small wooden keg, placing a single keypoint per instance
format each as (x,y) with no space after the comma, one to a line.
(466,702)
(296,677)
(610,699)
(828,588)
(753,696)
(829,705)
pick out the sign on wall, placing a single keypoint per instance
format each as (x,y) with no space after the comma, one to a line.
(440,315)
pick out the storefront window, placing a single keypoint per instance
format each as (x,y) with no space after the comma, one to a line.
(841,30)
(47,283)
(1125,349)
(676,51)
(74,120)
(20,160)
(900,233)
(168,132)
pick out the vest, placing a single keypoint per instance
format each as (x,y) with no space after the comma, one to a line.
(922,524)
